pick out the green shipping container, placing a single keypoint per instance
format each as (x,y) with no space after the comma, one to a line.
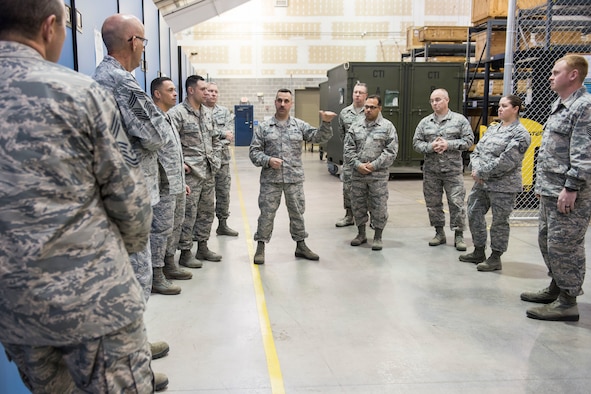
(404,88)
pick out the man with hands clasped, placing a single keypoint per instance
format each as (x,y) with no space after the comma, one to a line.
(441,137)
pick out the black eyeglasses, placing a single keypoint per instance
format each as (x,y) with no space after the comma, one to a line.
(370,107)
(144,40)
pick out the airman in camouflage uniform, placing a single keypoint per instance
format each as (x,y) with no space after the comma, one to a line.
(73,204)
(223,123)
(144,124)
(563,182)
(371,147)
(441,137)
(347,117)
(277,147)
(496,169)
(201,152)
(172,193)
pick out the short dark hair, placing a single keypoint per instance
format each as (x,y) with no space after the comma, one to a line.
(375,96)
(25,17)
(284,90)
(157,83)
(192,81)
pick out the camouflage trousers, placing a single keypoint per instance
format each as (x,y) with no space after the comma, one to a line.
(501,204)
(172,243)
(142,268)
(199,211)
(223,181)
(369,195)
(561,238)
(115,363)
(269,200)
(434,185)
(346,178)
(162,225)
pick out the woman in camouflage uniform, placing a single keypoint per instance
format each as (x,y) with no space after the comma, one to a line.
(496,170)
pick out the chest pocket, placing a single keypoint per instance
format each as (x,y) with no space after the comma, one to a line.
(295,137)
(219,120)
(451,130)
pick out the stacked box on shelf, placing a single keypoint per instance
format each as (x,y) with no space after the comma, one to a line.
(528,4)
(482,10)
(443,34)
(495,88)
(448,59)
(557,37)
(496,44)
(412,38)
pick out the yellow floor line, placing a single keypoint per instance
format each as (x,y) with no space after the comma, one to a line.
(275,375)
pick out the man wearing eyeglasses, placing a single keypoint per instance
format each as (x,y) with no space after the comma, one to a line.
(144,124)
(441,137)
(371,147)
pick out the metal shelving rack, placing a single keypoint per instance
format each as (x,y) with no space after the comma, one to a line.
(486,67)
(434,50)
(555,22)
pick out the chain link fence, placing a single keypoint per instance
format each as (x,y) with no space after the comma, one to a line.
(545,31)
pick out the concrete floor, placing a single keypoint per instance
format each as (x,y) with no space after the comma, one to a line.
(407,319)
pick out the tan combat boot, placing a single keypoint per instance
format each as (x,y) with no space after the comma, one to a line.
(493,263)
(347,220)
(302,250)
(439,238)
(259,256)
(564,308)
(477,256)
(223,229)
(203,252)
(161,285)
(544,296)
(459,241)
(188,260)
(172,271)
(160,381)
(159,349)
(377,240)
(361,238)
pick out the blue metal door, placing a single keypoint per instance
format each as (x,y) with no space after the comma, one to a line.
(243,124)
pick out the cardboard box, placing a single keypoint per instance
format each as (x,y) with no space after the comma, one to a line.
(495,46)
(495,88)
(528,4)
(443,34)
(448,59)
(482,10)
(412,38)
(558,37)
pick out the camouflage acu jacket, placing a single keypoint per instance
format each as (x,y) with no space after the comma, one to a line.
(456,129)
(201,144)
(347,117)
(564,158)
(73,203)
(498,156)
(272,139)
(223,121)
(374,142)
(144,124)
